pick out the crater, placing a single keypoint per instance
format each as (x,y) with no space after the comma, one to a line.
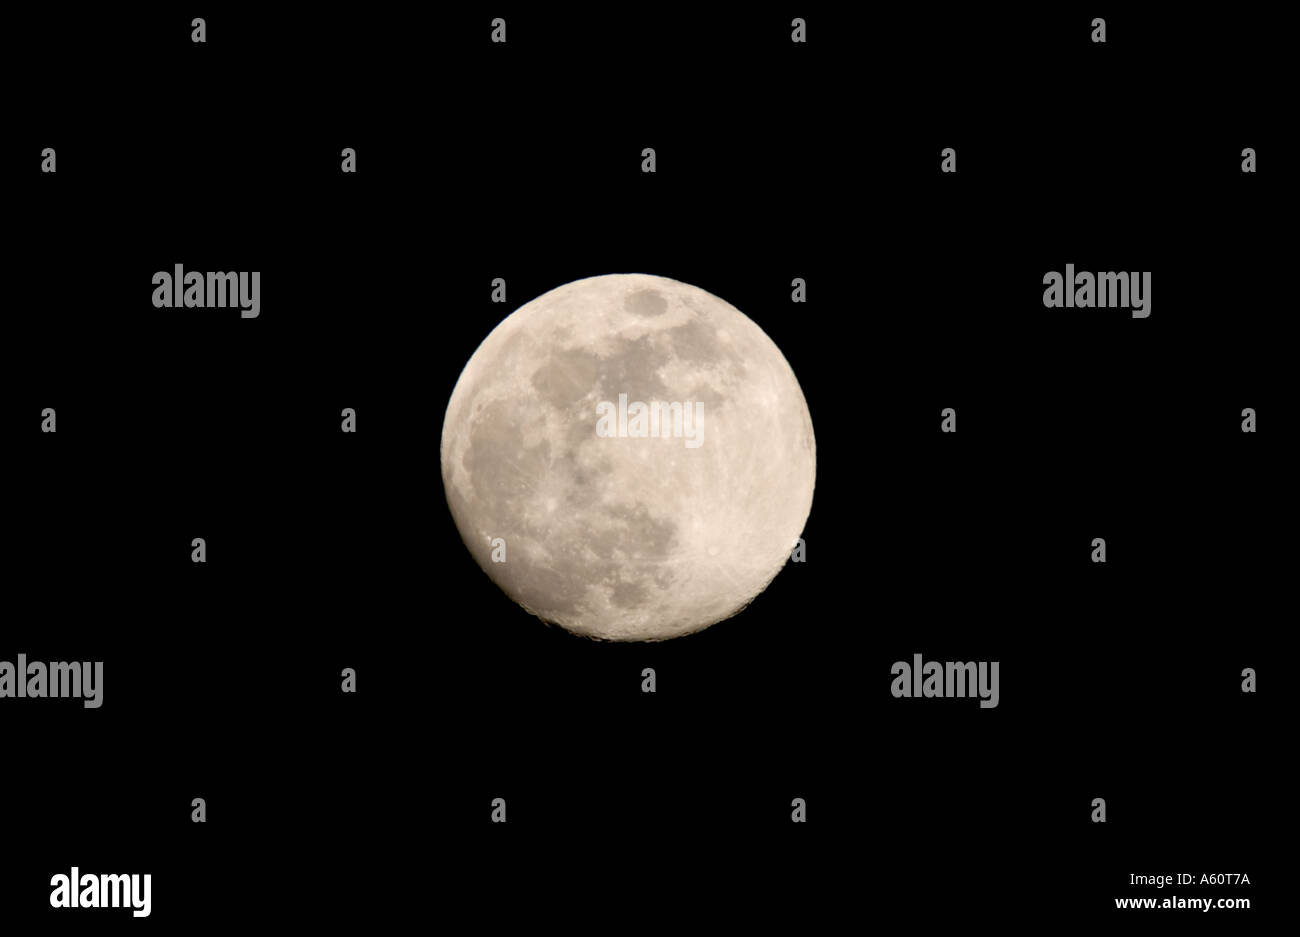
(645,303)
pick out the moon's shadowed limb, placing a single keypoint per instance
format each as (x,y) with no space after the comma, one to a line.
(625,537)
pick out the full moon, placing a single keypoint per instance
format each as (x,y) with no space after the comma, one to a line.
(629,457)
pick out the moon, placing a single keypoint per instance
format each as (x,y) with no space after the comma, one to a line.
(597,516)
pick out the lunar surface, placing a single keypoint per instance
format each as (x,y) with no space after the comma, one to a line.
(629,457)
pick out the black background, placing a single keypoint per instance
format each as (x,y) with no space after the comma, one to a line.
(327,550)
